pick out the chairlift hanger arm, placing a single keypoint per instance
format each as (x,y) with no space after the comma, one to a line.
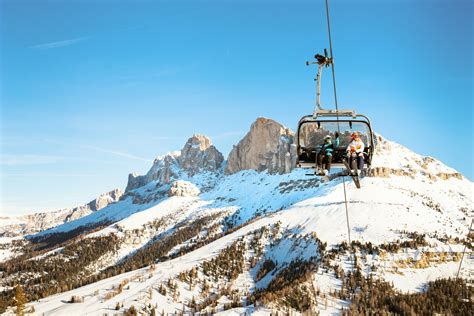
(320,61)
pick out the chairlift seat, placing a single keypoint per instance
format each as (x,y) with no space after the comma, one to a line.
(312,129)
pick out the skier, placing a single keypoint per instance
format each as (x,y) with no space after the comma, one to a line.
(325,155)
(355,152)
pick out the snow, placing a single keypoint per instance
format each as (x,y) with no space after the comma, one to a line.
(233,191)
(326,282)
(160,210)
(374,217)
(413,280)
(249,310)
(9,240)
(112,213)
(93,304)
(48,253)
(392,155)
(6,254)
(7,251)
(379,213)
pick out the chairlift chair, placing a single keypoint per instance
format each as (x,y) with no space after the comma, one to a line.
(313,128)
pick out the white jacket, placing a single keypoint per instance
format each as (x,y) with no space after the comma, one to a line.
(355,146)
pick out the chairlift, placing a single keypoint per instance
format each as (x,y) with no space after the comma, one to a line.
(312,129)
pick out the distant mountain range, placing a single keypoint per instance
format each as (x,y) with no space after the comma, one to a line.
(11,226)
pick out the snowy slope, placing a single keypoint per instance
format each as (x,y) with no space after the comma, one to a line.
(376,218)
(418,195)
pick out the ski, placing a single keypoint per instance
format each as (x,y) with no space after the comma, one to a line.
(324,178)
(355,177)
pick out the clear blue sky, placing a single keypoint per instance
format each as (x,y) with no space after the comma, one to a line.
(93,90)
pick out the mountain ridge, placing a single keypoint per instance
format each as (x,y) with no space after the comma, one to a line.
(383,166)
(408,225)
(278,159)
(12,226)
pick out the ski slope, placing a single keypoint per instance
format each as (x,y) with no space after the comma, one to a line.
(419,200)
(376,218)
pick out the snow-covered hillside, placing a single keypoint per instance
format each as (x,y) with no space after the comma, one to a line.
(203,241)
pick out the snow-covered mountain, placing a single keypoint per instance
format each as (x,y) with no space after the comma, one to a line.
(197,235)
(11,226)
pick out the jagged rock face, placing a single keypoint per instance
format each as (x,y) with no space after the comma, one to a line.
(198,154)
(183,188)
(268,145)
(105,199)
(164,169)
(99,203)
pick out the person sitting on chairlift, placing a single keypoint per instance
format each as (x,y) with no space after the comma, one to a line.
(355,152)
(325,155)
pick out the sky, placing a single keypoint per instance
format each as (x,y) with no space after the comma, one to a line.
(91,91)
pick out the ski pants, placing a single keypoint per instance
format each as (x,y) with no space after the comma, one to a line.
(326,159)
(358,161)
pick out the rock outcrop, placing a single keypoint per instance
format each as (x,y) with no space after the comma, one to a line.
(267,146)
(164,169)
(183,188)
(100,202)
(197,155)
(105,199)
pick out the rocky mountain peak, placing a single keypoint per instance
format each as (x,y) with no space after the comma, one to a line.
(198,141)
(198,154)
(164,169)
(268,145)
(105,199)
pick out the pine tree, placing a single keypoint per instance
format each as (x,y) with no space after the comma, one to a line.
(132,311)
(20,301)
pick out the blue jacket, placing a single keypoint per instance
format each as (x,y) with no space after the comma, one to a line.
(328,148)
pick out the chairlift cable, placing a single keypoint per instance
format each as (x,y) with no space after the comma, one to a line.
(464,251)
(337,117)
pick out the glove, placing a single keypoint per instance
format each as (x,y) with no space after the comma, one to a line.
(336,134)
